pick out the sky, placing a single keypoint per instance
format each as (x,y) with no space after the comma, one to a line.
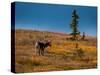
(54,17)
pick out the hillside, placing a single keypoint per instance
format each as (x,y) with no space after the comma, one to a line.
(62,55)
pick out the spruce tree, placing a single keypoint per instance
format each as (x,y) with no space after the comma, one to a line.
(74,24)
(83,36)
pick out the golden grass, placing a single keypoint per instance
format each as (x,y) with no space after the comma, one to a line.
(62,55)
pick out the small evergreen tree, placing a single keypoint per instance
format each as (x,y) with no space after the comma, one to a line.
(74,24)
(83,36)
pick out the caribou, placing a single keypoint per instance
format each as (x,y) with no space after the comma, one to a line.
(40,46)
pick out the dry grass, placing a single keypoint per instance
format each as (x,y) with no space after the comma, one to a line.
(62,55)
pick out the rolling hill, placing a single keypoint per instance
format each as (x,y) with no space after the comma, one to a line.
(62,55)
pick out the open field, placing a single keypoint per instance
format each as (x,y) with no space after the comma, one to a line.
(62,55)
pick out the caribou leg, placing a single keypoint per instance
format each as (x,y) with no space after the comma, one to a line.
(42,52)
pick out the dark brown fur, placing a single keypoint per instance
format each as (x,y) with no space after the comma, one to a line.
(40,46)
